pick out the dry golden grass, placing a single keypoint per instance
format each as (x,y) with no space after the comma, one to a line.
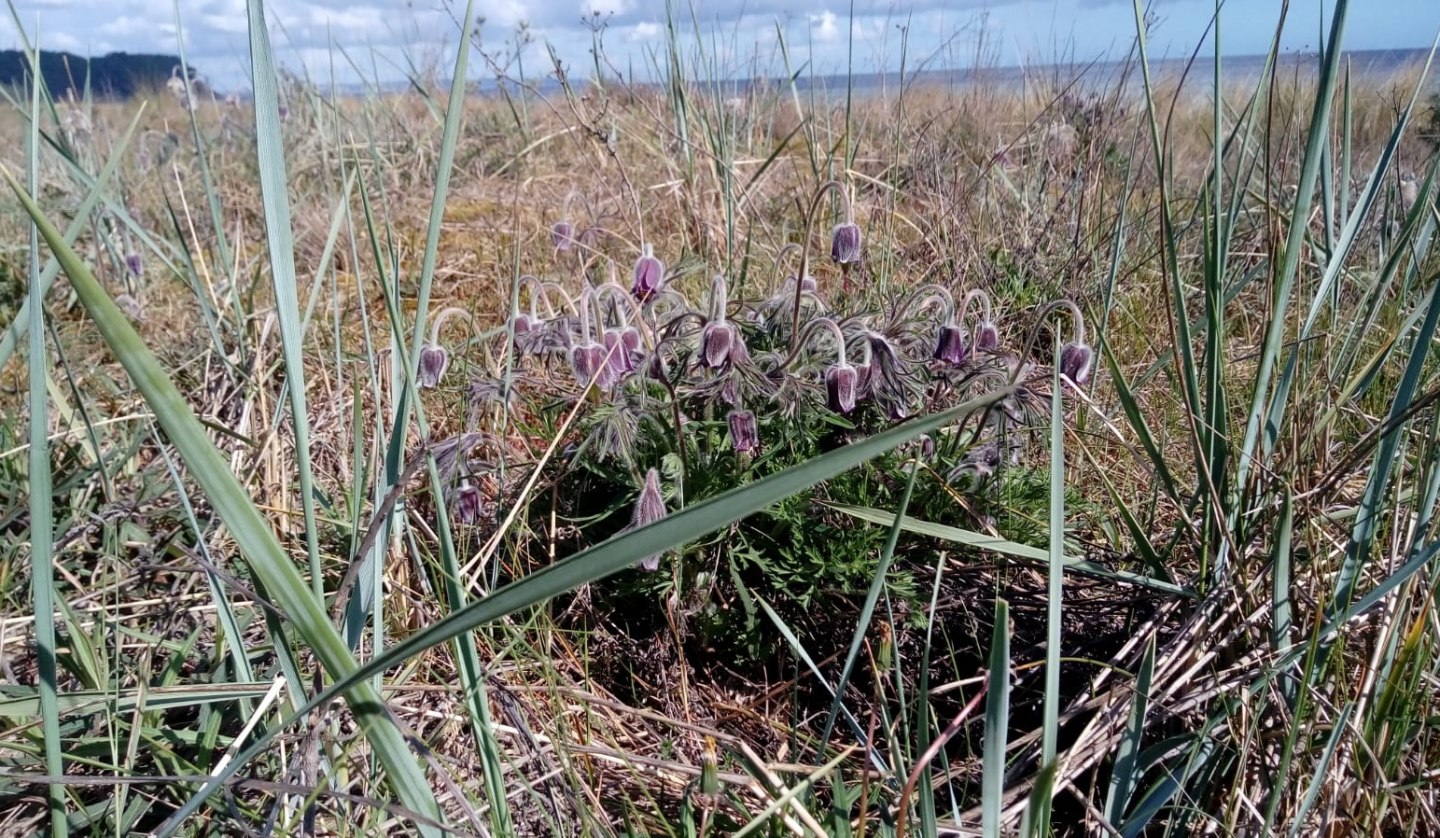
(1015,191)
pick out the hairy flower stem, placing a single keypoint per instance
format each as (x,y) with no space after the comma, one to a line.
(805,249)
(444,315)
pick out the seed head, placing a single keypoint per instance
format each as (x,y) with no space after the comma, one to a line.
(649,508)
(1076,359)
(845,243)
(649,275)
(744,432)
(433,361)
(841,382)
(950,345)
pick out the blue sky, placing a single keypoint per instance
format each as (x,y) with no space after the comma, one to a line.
(385,34)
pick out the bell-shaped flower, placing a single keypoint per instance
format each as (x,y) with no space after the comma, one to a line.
(744,431)
(845,243)
(649,508)
(1076,360)
(841,384)
(950,345)
(649,275)
(433,361)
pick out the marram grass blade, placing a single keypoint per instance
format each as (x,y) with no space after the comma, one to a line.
(42,513)
(1009,548)
(267,560)
(275,196)
(151,699)
(623,551)
(997,724)
(872,598)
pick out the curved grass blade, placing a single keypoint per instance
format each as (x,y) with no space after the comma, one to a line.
(16,328)
(267,560)
(1009,548)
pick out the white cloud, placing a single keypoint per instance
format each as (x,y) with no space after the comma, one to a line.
(825,27)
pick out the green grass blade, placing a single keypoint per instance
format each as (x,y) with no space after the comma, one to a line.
(267,560)
(1055,577)
(42,518)
(1008,548)
(1372,514)
(997,724)
(275,199)
(16,329)
(1123,778)
(798,648)
(1321,772)
(1283,287)
(872,597)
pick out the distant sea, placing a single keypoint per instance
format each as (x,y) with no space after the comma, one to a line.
(1368,67)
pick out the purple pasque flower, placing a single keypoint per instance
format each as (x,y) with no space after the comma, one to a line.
(987,337)
(133,265)
(587,362)
(1076,357)
(649,508)
(433,361)
(950,345)
(744,431)
(649,275)
(618,363)
(845,243)
(717,343)
(562,235)
(841,385)
(467,503)
(1076,361)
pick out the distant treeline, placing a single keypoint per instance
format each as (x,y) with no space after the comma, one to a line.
(118,75)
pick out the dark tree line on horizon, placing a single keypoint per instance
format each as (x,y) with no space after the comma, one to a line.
(118,75)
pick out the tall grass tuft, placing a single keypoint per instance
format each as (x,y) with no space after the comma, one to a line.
(1036,451)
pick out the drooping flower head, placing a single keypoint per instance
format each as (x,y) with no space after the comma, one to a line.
(649,275)
(841,385)
(950,345)
(133,265)
(842,381)
(744,431)
(987,335)
(720,338)
(434,358)
(845,243)
(467,503)
(1076,359)
(562,233)
(649,508)
(433,362)
(587,357)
